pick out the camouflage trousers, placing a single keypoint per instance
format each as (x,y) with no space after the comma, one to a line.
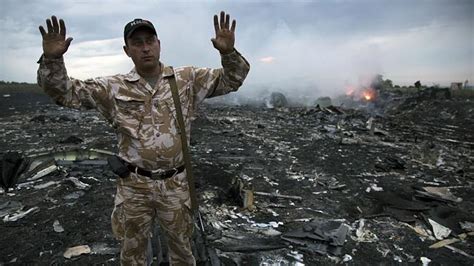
(139,202)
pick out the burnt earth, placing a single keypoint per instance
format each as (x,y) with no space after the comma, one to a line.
(330,158)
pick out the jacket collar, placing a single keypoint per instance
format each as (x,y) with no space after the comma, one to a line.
(133,75)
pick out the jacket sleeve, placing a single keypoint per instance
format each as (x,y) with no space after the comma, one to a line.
(215,82)
(52,77)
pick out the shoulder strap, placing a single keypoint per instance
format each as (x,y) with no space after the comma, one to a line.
(184,143)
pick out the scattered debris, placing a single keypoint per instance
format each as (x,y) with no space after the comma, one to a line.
(444,242)
(45,185)
(19,214)
(457,250)
(42,169)
(467,226)
(9,207)
(58,228)
(320,236)
(440,232)
(78,183)
(77,251)
(425,261)
(276,195)
(74,195)
(326,157)
(364,235)
(346,258)
(297,256)
(439,193)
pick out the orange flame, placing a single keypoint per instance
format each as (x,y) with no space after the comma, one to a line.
(368,94)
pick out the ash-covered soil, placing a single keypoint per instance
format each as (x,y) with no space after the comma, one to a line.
(348,166)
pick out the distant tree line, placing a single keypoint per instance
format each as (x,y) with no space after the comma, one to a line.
(12,82)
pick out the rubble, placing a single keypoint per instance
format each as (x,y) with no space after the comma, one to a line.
(13,217)
(77,251)
(319,236)
(380,177)
(57,227)
(440,232)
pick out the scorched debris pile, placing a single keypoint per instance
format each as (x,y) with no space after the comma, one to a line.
(314,185)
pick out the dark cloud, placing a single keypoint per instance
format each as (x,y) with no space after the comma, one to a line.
(323,43)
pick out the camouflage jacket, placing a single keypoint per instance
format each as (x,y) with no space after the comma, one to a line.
(144,117)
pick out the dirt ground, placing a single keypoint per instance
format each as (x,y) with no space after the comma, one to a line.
(345,171)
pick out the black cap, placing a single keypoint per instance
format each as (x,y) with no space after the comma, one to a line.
(137,23)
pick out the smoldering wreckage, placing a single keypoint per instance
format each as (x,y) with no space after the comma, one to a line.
(366,181)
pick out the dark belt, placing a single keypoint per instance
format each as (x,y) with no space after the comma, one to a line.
(157,175)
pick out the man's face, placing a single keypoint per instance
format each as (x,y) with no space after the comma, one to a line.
(144,48)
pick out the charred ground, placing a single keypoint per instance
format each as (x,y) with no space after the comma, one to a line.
(343,168)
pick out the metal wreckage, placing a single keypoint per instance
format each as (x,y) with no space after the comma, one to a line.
(379,180)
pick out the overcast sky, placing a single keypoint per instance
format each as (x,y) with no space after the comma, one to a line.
(324,44)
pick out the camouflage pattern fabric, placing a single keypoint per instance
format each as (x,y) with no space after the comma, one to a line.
(144,118)
(137,208)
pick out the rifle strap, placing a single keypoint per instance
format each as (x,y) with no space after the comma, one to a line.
(184,143)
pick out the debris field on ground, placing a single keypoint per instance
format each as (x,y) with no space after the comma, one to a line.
(295,185)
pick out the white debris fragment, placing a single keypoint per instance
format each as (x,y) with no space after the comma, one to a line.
(74,195)
(78,183)
(273,212)
(58,228)
(334,259)
(420,230)
(305,220)
(275,224)
(383,251)
(297,177)
(272,183)
(246,177)
(76,251)
(18,215)
(28,185)
(271,232)
(442,192)
(91,178)
(373,187)
(297,256)
(440,231)
(346,258)
(267,225)
(45,252)
(364,235)
(45,185)
(347,141)
(218,225)
(440,160)
(425,261)
(46,171)
(467,226)
(10,207)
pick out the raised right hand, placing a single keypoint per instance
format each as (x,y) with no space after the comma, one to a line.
(55,43)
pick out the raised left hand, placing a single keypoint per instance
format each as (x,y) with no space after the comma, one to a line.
(225,37)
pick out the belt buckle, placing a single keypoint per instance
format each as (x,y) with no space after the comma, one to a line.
(161,174)
(175,171)
(156,174)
